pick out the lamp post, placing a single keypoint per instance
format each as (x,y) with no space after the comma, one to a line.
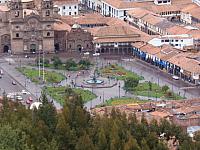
(43,79)
(119,88)
(39,64)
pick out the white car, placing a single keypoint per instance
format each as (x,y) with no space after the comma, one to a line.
(175,77)
(18,97)
(25,92)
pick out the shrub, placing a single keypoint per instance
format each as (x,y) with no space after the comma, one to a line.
(130,83)
(70,63)
(165,88)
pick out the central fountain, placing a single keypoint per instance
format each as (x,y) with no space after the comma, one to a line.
(94,79)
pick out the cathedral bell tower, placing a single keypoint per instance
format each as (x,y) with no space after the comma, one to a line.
(16,10)
(47,8)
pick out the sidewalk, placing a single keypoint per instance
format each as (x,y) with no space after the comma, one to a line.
(33,88)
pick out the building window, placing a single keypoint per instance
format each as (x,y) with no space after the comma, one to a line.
(47,12)
(17,14)
(17,27)
(70,13)
(63,7)
(69,7)
(70,46)
(74,13)
(17,35)
(74,7)
(48,33)
(87,45)
(166,40)
(48,26)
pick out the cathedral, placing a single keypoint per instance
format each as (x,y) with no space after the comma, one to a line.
(28,26)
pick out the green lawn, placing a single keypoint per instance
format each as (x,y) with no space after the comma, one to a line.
(143,90)
(118,72)
(122,101)
(50,76)
(58,93)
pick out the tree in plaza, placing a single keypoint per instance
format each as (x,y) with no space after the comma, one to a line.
(130,83)
(165,88)
(69,64)
(150,85)
(84,64)
(56,62)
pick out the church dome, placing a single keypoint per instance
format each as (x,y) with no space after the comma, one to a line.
(76,26)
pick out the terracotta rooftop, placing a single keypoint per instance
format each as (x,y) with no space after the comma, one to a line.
(63,2)
(185,62)
(85,19)
(167,52)
(4,7)
(117,33)
(120,4)
(177,30)
(61,26)
(139,12)
(164,8)
(192,9)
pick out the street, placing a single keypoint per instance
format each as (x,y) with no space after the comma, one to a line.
(150,73)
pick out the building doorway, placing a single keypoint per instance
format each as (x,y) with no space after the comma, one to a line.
(33,48)
(5,49)
(57,47)
(79,48)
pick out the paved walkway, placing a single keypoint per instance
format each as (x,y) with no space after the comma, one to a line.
(33,88)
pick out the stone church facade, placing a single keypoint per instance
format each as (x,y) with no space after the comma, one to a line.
(79,40)
(27,28)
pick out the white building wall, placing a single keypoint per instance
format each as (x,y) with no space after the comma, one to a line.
(162,2)
(196,1)
(68,9)
(109,10)
(3,1)
(186,18)
(173,41)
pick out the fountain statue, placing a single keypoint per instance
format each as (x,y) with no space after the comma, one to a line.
(94,79)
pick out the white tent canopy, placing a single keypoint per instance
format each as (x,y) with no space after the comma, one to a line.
(35,105)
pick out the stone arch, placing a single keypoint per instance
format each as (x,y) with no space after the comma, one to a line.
(6,49)
(79,47)
(57,47)
(5,43)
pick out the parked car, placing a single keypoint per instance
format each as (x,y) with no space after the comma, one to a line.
(175,77)
(14,83)
(30,99)
(1,72)
(28,102)
(25,92)
(18,97)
